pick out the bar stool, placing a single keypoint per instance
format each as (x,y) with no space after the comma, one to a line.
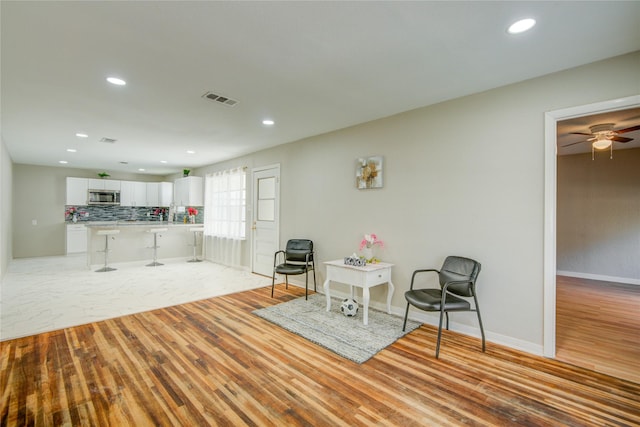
(155,246)
(106,234)
(195,231)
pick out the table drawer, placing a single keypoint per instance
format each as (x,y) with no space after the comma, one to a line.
(378,277)
(345,275)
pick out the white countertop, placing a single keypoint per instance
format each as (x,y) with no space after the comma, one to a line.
(97,224)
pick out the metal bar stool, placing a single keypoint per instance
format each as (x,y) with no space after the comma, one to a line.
(195,231)
(155,246)
(106,234)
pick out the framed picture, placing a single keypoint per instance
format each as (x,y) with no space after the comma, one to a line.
(369,172)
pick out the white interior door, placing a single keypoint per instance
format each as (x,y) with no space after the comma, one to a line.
(266,218)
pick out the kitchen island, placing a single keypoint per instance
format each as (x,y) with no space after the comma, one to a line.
(135,242)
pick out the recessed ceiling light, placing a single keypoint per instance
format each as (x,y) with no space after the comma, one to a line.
(116,81)
(141,170)
(191,152)
(71,150)
(64,162)
(82,135)
(163,161)
(124,163)
(268,122)
(521,26)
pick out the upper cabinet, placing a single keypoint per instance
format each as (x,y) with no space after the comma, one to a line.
(165,194)
(153,196)
(104,184)
(159,194)
(188,191)
(77,191)
(133,193)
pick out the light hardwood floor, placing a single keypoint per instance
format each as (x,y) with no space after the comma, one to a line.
(598,326)
(212,362)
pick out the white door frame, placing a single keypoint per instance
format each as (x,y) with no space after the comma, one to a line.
(551,119)
(254,208)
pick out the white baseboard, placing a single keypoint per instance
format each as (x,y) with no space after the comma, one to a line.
(626,280)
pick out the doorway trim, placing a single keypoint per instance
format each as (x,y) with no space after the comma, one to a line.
(551,119)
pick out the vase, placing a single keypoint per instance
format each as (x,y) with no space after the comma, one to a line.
(367,253)
(192,218)
(74,218)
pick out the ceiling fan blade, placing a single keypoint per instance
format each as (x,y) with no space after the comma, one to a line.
(625,130)
(573,143)
(621,139)
(580,133)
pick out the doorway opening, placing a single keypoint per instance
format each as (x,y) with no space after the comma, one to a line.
(550,202)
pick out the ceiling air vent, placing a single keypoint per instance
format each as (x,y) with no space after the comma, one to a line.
(220,99)
(108,140)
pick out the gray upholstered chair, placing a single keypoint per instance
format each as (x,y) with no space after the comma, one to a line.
(297,258)
(457,278)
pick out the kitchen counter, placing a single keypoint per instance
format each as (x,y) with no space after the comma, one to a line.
(135,243)
(158,224)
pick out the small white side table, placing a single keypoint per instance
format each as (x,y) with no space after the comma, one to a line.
(363,277)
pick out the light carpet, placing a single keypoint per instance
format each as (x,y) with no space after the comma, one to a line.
(345,336)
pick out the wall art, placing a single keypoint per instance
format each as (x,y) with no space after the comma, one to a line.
(369,172)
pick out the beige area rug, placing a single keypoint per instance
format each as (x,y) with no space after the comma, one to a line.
(345,336)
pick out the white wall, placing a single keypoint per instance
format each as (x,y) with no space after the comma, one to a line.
(462,177)
(598,216)
(6,173)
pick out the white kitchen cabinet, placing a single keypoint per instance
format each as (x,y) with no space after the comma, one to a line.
(159,194)
(133,193)
(77,191)
(76,238)
(165,194)
(153,193)
(104,184)
(188,191)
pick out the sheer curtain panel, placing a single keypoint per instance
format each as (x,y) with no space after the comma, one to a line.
(225,215)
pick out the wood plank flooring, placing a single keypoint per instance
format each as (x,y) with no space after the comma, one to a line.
(214,363)
(598,326)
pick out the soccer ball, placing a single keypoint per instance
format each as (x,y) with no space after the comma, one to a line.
(349,307)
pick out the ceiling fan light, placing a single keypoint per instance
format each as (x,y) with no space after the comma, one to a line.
(601,143)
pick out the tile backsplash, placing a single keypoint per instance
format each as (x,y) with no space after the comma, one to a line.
(125,213)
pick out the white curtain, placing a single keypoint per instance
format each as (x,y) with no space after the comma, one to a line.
(225,215)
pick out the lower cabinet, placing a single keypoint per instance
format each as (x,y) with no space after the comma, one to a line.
(76,238)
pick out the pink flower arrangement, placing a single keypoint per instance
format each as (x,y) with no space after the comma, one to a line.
(370,240)
(192,211)
(73,211)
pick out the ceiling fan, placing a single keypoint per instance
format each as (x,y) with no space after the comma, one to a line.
(603,135)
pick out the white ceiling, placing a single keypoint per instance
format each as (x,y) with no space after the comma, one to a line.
(313,67)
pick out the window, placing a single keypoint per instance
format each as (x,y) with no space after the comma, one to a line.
(225,204)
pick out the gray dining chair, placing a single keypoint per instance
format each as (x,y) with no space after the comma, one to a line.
(457,278)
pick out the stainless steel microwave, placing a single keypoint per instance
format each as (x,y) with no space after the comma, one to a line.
(104,197)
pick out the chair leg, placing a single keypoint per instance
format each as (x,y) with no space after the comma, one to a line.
(306,285)
(439,335)
(273,283)
(286,282)
(446,313)
(406,313)
(315,289)
(480,322)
